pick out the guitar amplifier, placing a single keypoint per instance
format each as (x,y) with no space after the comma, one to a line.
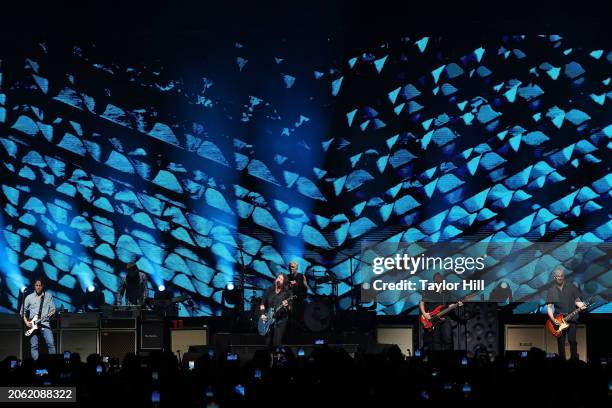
(150,315)
(82,341)
(10,321)
(10,335)
(117,343)
(126,324)
(10,343)
(524,337)
(152,335)
(182,339)
(396,334)
(80,320)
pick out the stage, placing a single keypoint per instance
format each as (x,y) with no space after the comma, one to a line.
(359,331)
(337,203)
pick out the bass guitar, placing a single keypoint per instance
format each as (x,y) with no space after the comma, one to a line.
(438,313)
(263,326)
(563,320)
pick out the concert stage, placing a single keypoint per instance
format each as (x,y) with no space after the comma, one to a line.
(347,203)
(116,337)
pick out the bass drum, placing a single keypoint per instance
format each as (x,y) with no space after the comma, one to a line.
(318,315)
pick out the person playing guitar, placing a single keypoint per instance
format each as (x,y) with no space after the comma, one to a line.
(440,337)
(274,298)
(564,296)
(37,308)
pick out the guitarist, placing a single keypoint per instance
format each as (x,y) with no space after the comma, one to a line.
(565,297)
(273,298)
(39,303)
(440,339)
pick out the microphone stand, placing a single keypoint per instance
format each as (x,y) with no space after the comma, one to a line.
(464,323)
(242,277)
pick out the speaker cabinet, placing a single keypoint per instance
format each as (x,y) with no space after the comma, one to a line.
(10,343)
(10,321)
(524,337)
(181,339)
(82,341)
(123,324)
(480,333)
(152,335)
(80,320)
(396,334)
(117,343)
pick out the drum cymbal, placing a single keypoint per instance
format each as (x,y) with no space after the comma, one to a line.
(248,286)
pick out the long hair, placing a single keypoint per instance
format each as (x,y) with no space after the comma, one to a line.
(132,273)
(284,285)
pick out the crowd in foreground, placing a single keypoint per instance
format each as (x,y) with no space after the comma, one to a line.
(328,376)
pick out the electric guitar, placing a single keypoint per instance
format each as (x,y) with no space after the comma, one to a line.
(438,313)
(263,326)
(563,320)
(36,324)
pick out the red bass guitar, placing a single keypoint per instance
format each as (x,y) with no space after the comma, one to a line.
(438,313)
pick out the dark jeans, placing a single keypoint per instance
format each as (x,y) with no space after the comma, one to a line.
(570,333)
(441,338)
(277,332)
(296,318)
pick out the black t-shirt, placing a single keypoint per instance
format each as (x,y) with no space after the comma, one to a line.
(272,300)
(434,298)
(564,299)
(298,289)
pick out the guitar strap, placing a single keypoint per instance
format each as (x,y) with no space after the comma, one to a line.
(42,301)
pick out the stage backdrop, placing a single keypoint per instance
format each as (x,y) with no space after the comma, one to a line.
(194,155)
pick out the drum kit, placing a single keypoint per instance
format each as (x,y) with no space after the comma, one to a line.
(317,314)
